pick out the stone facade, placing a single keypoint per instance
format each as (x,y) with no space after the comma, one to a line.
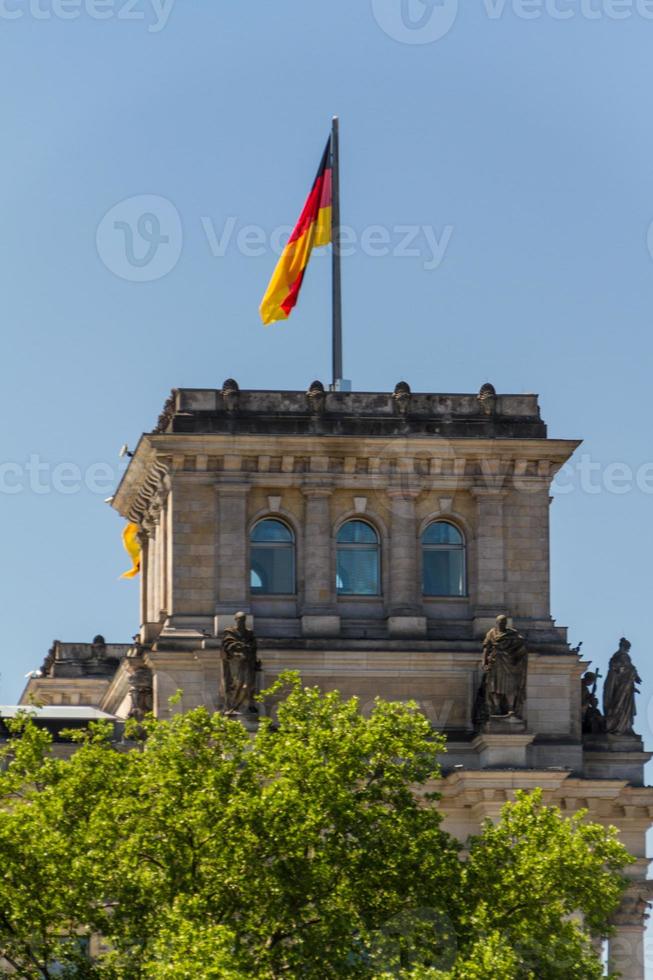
(75,673)
(221,461)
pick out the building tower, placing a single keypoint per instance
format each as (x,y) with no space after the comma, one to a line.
(372,538)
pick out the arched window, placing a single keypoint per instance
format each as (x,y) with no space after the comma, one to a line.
(272,559)
(358,565)
(443,560)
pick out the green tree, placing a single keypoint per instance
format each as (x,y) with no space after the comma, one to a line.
(309,850)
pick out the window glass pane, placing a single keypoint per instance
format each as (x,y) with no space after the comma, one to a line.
(272,570)
(443,572)
(358,571)
(357,532)
(271,531)
(441,532)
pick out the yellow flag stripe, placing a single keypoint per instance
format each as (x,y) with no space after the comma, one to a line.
(133,549)
(291,265)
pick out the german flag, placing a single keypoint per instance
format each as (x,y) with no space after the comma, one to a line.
(311,231)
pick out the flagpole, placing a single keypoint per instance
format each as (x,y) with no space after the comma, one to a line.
(335,239)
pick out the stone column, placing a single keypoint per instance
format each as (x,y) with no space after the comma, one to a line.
(405,593)
(490,571)
(232,551)
(319,613)
(626,946)
(145,575)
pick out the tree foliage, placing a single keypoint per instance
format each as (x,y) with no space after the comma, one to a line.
(310,850)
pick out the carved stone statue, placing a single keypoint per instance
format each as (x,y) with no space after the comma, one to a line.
(619,692)
(231,396)
(316,398)
(593,720)
(401,398)
(238,667)
(46,666)
(505,664)
(487,397)
(140,687)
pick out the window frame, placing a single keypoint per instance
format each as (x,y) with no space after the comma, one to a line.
(377,548)
(272,546)
(462,548)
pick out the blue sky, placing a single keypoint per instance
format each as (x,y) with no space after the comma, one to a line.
(522,144)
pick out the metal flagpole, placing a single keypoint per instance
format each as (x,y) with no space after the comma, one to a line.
(335,239)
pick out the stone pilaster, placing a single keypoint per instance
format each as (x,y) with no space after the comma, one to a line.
(319,612)
(527,513)
(489,573)
(405,617)
(145,573)
(233,549)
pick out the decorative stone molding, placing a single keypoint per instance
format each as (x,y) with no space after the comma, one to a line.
(149,502)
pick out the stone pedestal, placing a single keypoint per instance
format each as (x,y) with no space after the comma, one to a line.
(615,757)
(500,750)
(504,725)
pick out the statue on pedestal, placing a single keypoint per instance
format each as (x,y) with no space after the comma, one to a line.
(505,665)
(140,687)
(238,668)
(593,721)
(619,692)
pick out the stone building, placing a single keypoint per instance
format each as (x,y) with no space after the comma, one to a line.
(371,538)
